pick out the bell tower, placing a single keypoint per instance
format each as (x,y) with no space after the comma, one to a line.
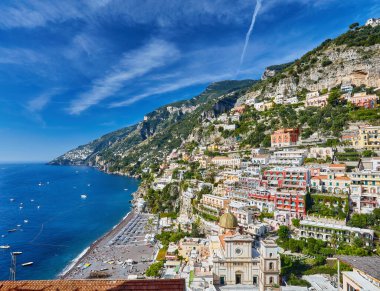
(270,266)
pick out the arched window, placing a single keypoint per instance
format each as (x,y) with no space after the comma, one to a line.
(271,280)
(270,255)
(270,266)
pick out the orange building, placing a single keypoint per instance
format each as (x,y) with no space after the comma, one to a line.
(361,99)
(285,137)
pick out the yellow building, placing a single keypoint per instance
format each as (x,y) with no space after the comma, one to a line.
(368,138)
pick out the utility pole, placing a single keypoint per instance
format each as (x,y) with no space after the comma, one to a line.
(12,271)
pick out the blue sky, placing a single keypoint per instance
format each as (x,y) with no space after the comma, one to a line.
(73,70)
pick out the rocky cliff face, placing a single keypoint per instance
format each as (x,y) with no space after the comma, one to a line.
(161,131)
(353,58)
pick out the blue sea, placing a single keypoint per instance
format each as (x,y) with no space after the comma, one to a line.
(53,223)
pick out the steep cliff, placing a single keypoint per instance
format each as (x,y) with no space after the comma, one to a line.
(162,130)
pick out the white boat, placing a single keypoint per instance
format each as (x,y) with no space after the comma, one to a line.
(27,264)
(21,207)
(88,185)
(26,221)
(83,196)
(38,207)
(16,253)
(11,199)
(40,184)
(31,200)
(125,189)
(5,247)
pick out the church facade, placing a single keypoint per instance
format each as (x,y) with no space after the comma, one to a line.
(236,262)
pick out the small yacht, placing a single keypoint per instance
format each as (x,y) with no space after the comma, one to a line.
(16,253)
(88,185)
(125,189)
(5,247)
(21,207)
(26,221)
(11,199)
(40,184)
(83,196)
(38,207)
(12,230)
(27,264)
(31,200)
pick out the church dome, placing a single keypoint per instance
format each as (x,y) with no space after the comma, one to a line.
(228,221)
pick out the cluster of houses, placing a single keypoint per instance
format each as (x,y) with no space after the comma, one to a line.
(253,192)
(275,181)
(318,99)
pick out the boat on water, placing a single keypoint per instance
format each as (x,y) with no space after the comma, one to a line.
(27,264)
(12,230)
(125,189)
(26,221)
(38,207)
(31,200)
(5,247)
(16,253)
(83,196)
(11,199)
(40,184)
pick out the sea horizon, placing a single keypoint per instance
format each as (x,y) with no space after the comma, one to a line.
(54,222)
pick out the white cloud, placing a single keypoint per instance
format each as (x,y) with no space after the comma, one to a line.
(19,56)
(157,53)
(173,86)
(40,102)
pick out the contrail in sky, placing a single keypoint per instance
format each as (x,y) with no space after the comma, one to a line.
(248,35)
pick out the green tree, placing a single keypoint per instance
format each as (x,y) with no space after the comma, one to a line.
(296,222)
(154,269)
(354,25)
(334,96)
(283,232)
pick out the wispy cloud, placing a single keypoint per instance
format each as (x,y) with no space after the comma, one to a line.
(37,13)
(157,53)
(38,103)
(19,56)
(173,86)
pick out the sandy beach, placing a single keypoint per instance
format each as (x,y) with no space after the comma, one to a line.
(123,251)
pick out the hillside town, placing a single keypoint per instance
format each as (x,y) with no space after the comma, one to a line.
(250,209)
(273,185)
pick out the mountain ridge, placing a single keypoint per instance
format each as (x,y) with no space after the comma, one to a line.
(331,64)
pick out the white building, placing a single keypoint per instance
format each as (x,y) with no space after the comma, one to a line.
(326,231)
(235,261)
(373,22)
(288,158)
(226,161)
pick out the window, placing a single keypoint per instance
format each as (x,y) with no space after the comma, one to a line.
(271,280)
(270,255)
(270,266)
(350,288)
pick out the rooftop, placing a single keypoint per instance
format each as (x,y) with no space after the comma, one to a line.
(368,265)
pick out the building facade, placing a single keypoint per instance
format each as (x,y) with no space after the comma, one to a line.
(368,138)
(285,137)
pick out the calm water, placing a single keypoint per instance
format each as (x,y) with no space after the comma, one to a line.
(64,224)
